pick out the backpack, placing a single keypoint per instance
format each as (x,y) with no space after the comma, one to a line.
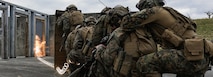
(70,39)
(86,33)
(183,22)
(134,44)
(139,40)
(76,18)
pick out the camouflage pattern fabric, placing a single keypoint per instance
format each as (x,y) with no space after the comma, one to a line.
(98,68)
(104,59)
(64,22)
(166,61)
(83,36)
(82,39)
(172,61)
(100,30)
(77,43)
(70,39)
(107,56)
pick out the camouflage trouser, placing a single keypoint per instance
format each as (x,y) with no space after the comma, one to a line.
(172,61)
(98,69)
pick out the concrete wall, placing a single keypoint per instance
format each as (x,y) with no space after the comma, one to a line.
(21,37)
(51,34)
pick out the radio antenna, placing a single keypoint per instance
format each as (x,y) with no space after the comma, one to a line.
(102,3)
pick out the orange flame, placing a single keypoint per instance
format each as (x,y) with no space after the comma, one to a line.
(39,46)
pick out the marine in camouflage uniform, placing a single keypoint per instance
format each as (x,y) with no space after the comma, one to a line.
(70,39)
(64,20)
(71,21)
(82,39)
(124,41)
(77,40)
(67,21)
(102,27)
(171,58)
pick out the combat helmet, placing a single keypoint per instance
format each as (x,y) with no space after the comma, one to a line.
(120,10)
(90,20)
(71,7)
(105,10)
(117,13)
(149,3)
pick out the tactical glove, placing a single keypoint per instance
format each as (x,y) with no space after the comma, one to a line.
(99,49)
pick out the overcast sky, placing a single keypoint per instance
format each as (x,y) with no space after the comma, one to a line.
(191,8)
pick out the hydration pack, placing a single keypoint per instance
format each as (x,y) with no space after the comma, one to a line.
(76,18)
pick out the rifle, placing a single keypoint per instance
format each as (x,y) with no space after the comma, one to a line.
(77,71)
(84,68)
(87,46)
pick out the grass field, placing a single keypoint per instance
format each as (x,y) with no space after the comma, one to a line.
(205,28)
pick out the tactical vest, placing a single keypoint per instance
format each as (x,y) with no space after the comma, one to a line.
(135,44)
(76,18)
(174,35)
(70,39)
(182,24)
(86,33)
(102,29)
(139,43)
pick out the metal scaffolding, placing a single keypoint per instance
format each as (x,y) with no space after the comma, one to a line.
(8,27)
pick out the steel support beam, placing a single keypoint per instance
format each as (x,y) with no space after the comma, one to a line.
(31,26)
(47,35)
(6,34)
(21,12)
(13,34)
(2,7)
